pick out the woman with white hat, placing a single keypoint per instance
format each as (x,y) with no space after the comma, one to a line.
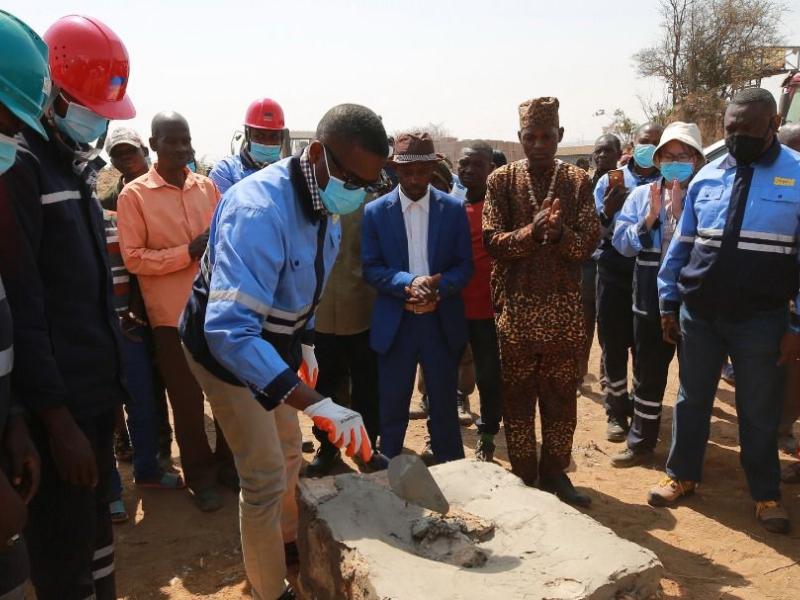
(644,229)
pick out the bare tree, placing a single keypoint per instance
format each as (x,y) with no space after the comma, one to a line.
(437,131)
(622,126)
(708,49)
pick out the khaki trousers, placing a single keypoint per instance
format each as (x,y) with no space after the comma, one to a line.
(266,448)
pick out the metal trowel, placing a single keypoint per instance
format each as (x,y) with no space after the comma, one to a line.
(410,479)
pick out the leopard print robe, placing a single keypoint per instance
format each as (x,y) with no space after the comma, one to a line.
(538,312)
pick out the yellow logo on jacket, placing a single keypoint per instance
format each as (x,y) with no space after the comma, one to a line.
(783,181)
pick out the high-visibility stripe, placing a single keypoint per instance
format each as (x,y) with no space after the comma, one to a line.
(617,384)
(645,415)
(283,329)
(241,298)
(710,232)
(709,242)
(104,551)
(56,197)
(766,248)
(613,392)
(289,316)
(648,263)
(121,279)
(759,235)
(688,239)
(638,400)
(104,572)
(6,361)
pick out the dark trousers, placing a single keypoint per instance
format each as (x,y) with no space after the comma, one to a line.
(186,398)
(653,357)
(589,303)
(69,535)
(753,345)
(486,358)
(348,370)
(791,401)
(615,331)
(141,409)
(14,571)
(420,340)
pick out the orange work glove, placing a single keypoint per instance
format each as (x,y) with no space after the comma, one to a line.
(309,369)
(345,427)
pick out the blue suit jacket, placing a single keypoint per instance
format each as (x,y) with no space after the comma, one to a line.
(384,254)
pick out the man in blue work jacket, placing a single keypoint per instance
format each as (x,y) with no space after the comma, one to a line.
(248,326)
(264,135)
(724,289)
(615,281)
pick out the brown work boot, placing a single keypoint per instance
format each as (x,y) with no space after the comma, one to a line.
(772,516)
(669,490)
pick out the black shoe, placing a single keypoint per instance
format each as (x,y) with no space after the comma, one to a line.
(631,458)
(288,594)
(307,447)
(378,462)
(562,487)
(326,458)
(617,429)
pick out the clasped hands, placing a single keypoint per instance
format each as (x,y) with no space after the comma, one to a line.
(424,289)
(548,224)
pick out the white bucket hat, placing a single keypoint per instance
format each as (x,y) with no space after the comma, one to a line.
(687,133)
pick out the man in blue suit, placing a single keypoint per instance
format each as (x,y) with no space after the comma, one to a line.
(416,252)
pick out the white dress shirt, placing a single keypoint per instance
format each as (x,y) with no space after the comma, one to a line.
(415,216)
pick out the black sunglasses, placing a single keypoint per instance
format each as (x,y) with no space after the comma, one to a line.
(352,182)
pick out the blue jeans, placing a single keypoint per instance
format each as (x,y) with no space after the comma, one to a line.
(140,409)
(753,346)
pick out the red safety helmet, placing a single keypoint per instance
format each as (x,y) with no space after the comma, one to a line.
(265,113)
(90,63)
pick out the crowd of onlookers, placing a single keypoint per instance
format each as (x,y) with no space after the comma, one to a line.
(336,280)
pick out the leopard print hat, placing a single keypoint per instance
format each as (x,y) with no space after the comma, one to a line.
(542,112)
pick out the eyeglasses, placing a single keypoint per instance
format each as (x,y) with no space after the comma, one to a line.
(682,157)
(353,182)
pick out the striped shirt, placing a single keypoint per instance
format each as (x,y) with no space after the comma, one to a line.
(120,277)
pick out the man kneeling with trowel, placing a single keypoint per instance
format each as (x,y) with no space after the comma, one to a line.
(248,327)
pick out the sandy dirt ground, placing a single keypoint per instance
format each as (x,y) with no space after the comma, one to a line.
(711,546)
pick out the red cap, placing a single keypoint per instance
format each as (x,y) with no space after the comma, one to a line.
(265,113)
(90,63)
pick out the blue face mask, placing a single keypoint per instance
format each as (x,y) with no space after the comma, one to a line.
(262,153)
(192,166)
(338,199)
(643,155)
(8,152)
(681,171)
(80,124)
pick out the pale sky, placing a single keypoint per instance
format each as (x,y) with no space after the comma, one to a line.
(465,64)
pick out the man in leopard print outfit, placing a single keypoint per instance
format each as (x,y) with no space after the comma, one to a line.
(539,224)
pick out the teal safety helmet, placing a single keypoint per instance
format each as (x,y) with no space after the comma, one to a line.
(24,72)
